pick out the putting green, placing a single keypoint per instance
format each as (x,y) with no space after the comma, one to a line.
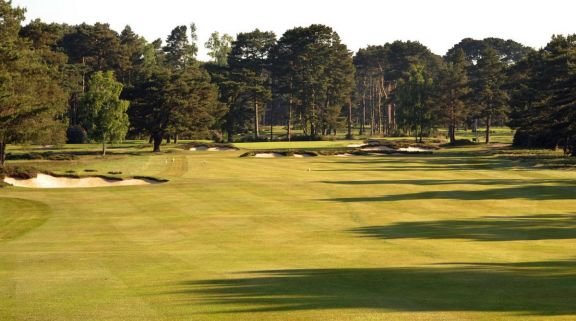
(458,235)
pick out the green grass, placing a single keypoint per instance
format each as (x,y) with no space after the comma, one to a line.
(469,233)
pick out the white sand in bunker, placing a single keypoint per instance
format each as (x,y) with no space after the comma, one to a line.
(268,155)
(302,155)
(378,149)
(49,181)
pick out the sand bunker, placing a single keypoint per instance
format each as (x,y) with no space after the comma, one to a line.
(212,149)
(48,181)
(199,149)
(378,149)
(414,150)
(303,155)
(344,155)
(268,155)
(357,145)
(221,149)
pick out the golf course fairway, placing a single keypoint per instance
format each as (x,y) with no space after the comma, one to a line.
(459,235)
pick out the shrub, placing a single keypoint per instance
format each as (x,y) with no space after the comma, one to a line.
(21,172)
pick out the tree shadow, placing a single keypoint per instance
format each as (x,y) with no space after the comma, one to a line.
(412,163)
(488,228)
(427,182)
(561,191)
(538,288)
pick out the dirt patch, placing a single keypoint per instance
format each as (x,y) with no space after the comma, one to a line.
(49,181)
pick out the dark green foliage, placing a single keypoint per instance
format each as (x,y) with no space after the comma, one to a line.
(510,51)
(180,101)
(181,49)
(32,101)
(43,156)
(413,97)
(379,71)
(489,95)
(450,96)
(76,135)
(544,97)
(314,75)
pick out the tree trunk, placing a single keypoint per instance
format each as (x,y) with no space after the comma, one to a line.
(157,142)
(2,153)
(168,139)
(256,122)
(289,129)
(103,148)
(349,135)
(452,133)
(230,129)
(488,123)
(175,139)
(363,124)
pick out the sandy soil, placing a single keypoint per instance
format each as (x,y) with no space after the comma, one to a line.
(48,181)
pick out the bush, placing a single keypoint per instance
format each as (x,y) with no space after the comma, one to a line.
(76,135)
(21,172)
(461,142)
(529,139)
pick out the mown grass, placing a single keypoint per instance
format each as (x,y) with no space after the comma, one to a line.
(469,233)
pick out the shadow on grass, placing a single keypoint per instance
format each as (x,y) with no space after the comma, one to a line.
(561,191)
(489,228)
(539,288)
(427,182)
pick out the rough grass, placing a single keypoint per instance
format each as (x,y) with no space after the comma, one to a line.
(469,233)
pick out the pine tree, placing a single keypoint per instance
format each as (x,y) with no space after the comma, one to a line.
(32,102)
(449,98)
(490,96)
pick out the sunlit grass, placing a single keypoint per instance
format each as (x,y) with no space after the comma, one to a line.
(470,233)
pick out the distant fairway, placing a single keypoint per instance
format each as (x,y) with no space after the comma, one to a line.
(459,235)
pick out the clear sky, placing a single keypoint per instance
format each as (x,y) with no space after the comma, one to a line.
(438,24)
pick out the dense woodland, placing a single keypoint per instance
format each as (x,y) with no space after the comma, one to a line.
(62,83)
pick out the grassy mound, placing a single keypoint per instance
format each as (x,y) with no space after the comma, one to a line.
(404,143)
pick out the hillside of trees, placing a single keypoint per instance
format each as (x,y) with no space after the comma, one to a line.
(78,83)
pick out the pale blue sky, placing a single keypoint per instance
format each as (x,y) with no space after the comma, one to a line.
(438,24)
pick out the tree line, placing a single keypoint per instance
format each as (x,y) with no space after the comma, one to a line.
(78,83)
